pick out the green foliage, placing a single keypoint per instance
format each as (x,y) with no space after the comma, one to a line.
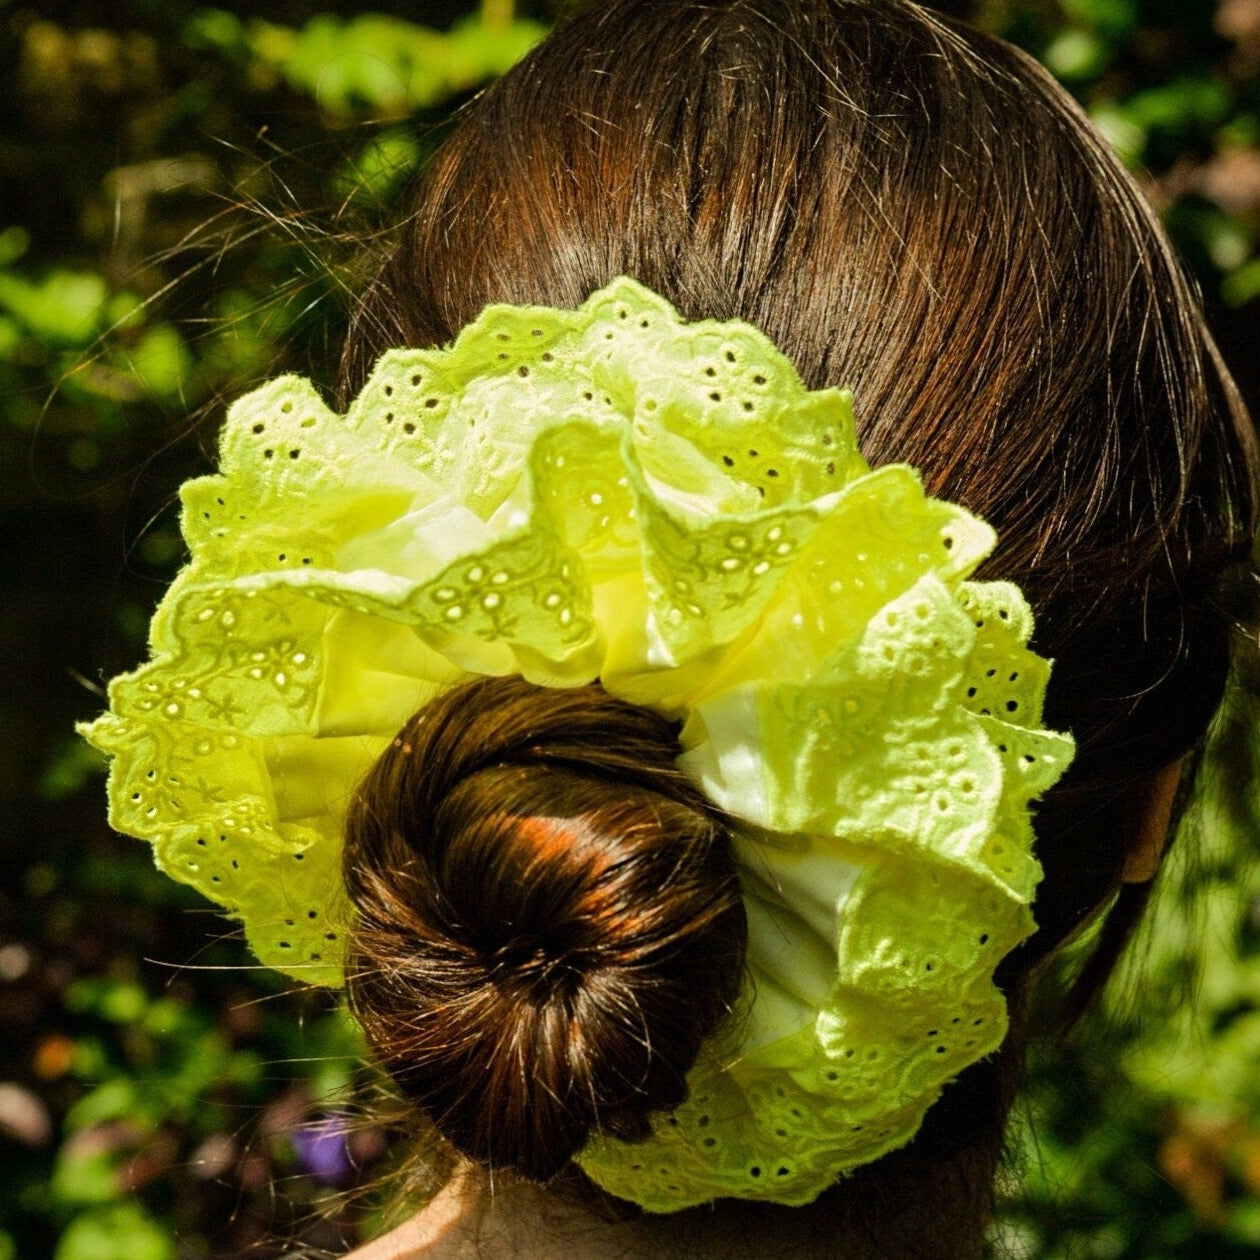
(384,64)
(63,308)
(160,1077)
(71,767)
(122,1231)
(379,170)
(191,198)
(1151,1134)
(1242,285)
(1176,90)
(185,272)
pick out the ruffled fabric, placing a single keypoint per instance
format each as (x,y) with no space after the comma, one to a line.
(611,493)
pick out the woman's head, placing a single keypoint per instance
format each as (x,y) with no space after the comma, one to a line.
(914,211)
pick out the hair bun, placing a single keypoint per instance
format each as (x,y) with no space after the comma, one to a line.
(550,923)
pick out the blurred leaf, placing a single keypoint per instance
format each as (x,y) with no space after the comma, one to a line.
(1241,132)
(10,337)
(131,876)
(64,308)
(118,1001)
(1075,54)
(336,1049)
(1243,285)
(114,1100)
(161,548)
(386,64)
(160,363)
(381,168)
(1121,130)
(124,1231)
(1243,1224)
(217,29)
(85,1176)
(202,1062)
(14,242)
(1183,104)
(74,765)
(1116,17)
(124,310)
(166,1017)
(91,1059)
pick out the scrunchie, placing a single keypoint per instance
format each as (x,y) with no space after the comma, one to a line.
(611,493)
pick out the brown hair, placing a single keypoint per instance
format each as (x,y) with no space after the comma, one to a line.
(914,210)
(549,921)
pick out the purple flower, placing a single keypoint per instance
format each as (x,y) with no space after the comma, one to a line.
(322,1151)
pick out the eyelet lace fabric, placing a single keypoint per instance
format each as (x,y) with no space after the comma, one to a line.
(613,493)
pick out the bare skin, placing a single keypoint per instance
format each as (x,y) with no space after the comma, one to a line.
(1158,796)
(470,1221)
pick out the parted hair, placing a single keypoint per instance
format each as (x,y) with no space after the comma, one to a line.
(906,207)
